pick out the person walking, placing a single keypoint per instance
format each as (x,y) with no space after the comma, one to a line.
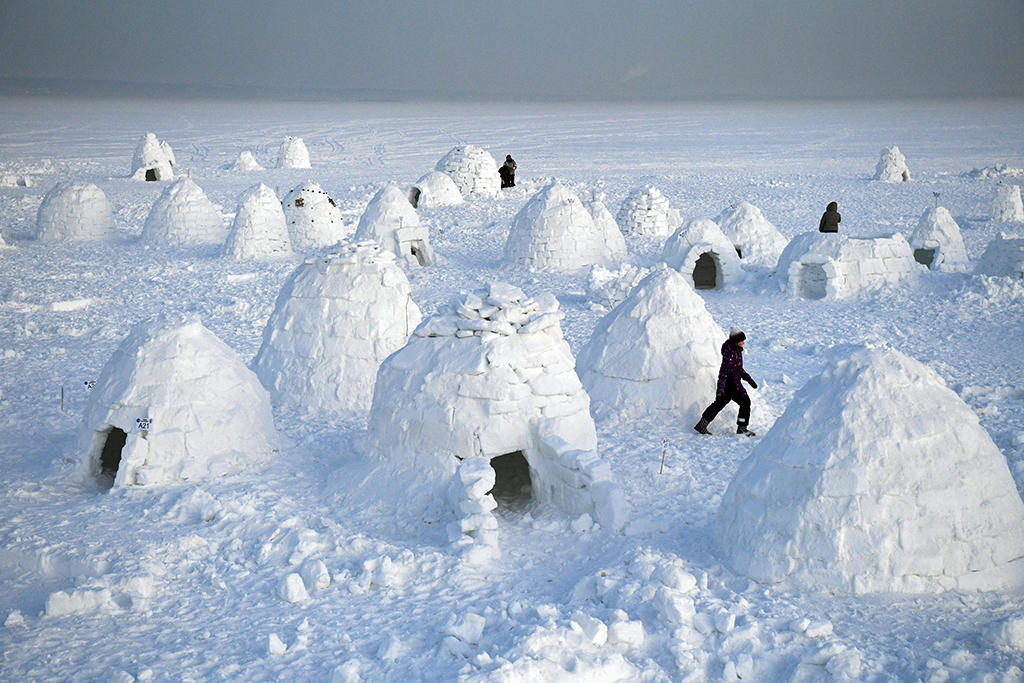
(508,172)
(831,219)
(730,388)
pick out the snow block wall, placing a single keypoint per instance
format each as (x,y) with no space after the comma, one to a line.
(608,288)
(433,190)
(473,170)
(702,253)
(614,242)
(646,213)
(877,478)
(184,404)
(656,353)
(74,211)
(937,242)
(153,160)
(756,240)
(390,220)
(293,154)
(259,229)
(183,216)
(819,265)
(892,166)
(313,218)
(336,318)
(1003,257)
(1007,206)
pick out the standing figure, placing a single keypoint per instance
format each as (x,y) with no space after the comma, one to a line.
(831,219)
(729,386)
(508,172)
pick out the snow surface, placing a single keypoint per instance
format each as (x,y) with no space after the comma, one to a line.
(191,580)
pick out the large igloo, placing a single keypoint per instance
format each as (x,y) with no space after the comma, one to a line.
(646,213)
(337,317)
(174,402)
(183,216)
(259,229)
(877,478)
(313,218)
(473,170)
(654,354)
(1007,206)
(433,190)
(1003,257)
(937,242)
(293,154)
(819,265)
(153,160)
(703,253)
(390,220)
(892,166)
(75,211)
(614,242)
(756,240)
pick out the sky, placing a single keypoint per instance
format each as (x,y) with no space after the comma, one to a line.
(529,50)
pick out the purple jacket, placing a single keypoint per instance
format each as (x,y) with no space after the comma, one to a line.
(732,370)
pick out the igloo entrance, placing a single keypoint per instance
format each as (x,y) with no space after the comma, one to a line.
(705,272)
(110,456)
(414,197)
(151,175)
(513,487)
(925,256)
(812,281)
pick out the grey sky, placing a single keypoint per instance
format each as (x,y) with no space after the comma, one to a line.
(525,49)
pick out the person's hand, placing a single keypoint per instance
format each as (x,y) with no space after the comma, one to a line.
(753,383)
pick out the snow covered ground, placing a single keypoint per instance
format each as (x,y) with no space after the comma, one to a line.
(190,581)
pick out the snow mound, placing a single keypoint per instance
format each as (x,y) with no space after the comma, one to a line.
(259,230)
(433,190)
(614,242)
(555,231)
(756,240)
(337,317)
(655,353)
(313,218)
(245,162)
(937,242)
(608,288)
(180,402)
(997,171)
(1003,257)
(877,478)
(646,213)
(183,215)
(1007,207)
(832,266)
(703,253)
(293,154)
(153,160)
(892,166)
(473,170)
(390,220)
(75,211)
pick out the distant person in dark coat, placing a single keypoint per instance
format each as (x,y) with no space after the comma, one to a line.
(831,219)
(508,172)
(729,386)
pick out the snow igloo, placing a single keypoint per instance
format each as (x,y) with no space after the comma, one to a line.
(1007,207)
(1003,257)
(614,242)
(433,190)
(703,253)
(153,160)
(656,353)
(756,240)
(892,166)
(390,220)
(174,402)
(819,265)
(245,163)
(75,211)
(337,317)
(293,154)
(313,218)
(937,242)
(473,170)
(877,478)
(645,212)
(259,229)
(184,216)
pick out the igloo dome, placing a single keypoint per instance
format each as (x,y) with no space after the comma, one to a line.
(937,242)
(390,220)
(817,265)
(877,478)
(259,229)
(614,242)
(313,218)
(892,166)
(756,240)
(702,253)
(1003,257)
(646,213)
(433,190)
(153,160)
(246,163)
(293,154)
(1007,206)
(184,216)
(75,211)
(473,170)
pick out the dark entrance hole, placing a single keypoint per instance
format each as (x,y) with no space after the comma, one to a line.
(739,252)
(414,197)
(705,272)
(110,456)
(925,256)
(151,174)
(513,488)
(812,281)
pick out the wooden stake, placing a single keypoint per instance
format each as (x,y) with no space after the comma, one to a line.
(664,448)
(62,399)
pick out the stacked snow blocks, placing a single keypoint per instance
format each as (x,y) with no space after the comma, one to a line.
(293,154)
(937,242)
(75,212)
(877,478)
(153,160)
(829,266)
(259,229)
(1003,257)
(1008,207)
(614,242)
(390,220)
(433,190)
(701,236)
(892,166)
(313,218)
(475,532)
(756,240)
(473,170)
(337,317)
(186,403)
(554,231)
(184,216)
(646,213)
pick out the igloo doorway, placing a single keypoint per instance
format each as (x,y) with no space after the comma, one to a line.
(513,486)
(705,271)
(925,256)
(812,281)
(151,175)
(414,197)
(110,456)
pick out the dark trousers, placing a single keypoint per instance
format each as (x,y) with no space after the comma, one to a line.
(721,401)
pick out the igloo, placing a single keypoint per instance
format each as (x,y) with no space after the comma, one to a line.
(555,231)
(646,213)
(756,240)
(1007,206)
(433,190)
(702,253)
(259,229)
(153,160)
(337,317)
(313,218)
(654,354)
(614,242)
(892,166)
(1003,257)
(174,402)
(293,154)
(819,265)
(937,242)
(390,220)
(75,211)
(877,478)
(246,163)
(473,170)
(183,216)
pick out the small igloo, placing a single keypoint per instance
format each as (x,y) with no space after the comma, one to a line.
(245,163)
(819,265)
(337,317)
(877,478)
(433,190)
(756,240)
(183,216)
(646,213)
(614,242)
(75,211)
(259,229)
(153,160)
(1007,206)
(390,220)
(655,354)
(892,166)
(555,231)
(293,154)
(1003,257)
(313,218)
(174,402)
(473,170)
(702,253)
(937,242)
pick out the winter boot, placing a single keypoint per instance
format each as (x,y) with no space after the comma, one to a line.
(702,426)
(742,429)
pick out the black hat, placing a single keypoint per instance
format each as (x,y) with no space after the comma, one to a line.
(736,335)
